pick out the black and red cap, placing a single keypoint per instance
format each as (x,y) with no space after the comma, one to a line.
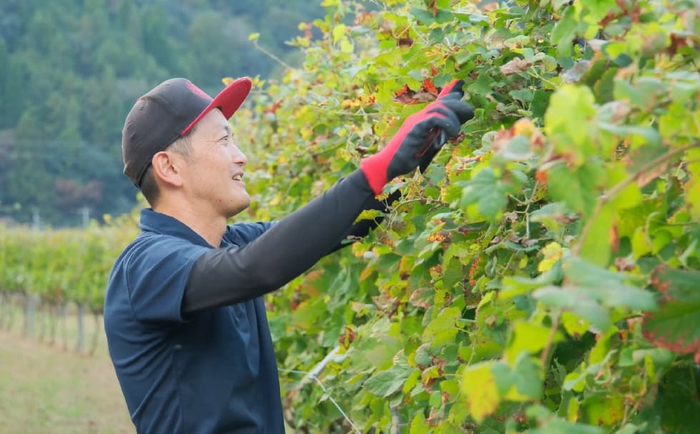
(167,112)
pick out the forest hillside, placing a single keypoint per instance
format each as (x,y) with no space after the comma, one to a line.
(71,69)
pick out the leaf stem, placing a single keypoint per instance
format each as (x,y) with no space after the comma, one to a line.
(271,55)
(527,215)
(313,376)
(538,76)
(576,251)
(550,338)
(663,223)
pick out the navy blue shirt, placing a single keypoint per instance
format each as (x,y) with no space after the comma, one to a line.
(212,373)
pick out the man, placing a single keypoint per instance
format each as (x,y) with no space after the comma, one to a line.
(184,313)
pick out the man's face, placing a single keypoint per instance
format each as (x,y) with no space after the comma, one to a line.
(213,175)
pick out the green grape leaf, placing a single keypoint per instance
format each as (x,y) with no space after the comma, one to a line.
(419,425)
(528,337)
(577,189)
(680,408)
(597,245)
(485,190)
(570,109)
(442,329)
(577,301)
(385,383)
(565,31)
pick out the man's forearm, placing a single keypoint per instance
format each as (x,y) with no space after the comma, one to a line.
(294,244)
(362,228)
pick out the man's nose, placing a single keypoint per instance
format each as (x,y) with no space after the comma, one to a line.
(239,157)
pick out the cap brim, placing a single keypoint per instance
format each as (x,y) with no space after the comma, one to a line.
(228,100)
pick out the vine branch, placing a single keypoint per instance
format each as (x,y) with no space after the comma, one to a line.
(550,339)
(621,186)
(313,375)
(271,55)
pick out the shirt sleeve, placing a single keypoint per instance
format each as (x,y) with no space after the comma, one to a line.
(290,247)
(156,276)
(241,234)
(362,228)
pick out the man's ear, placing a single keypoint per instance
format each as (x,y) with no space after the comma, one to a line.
(167,168)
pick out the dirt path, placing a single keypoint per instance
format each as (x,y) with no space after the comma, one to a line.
(44,389)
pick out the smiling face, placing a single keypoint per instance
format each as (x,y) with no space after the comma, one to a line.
(211,178)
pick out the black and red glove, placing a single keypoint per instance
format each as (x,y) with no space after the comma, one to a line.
(420,138)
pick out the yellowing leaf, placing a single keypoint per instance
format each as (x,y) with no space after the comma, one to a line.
(360,101)
(346,46)
(574,325)
(479,385)
(606,410)
(338,32)
(552,253)
(692,187)
(641,245)
(572,410)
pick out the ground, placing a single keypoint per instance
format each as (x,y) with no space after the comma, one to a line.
(46,389)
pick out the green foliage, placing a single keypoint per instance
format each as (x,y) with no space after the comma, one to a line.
(60,266)
(70,71)
(522,283)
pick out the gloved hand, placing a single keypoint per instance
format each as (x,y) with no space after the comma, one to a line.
(420,138)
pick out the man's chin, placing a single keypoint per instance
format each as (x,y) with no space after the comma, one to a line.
(239,207)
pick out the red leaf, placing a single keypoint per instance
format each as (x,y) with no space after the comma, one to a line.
(404,95)
(432,7)
(676,324)
(274,107)
(614,239)
(541,176)
(422,297)
(677,42)
(405,42)
(429,86)
(405,90)
(427,93)
(347,337)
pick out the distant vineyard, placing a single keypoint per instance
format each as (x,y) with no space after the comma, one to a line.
(45,273)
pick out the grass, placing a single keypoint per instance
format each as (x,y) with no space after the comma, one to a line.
(47,389)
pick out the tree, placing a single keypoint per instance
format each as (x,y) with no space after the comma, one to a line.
(28,180)
(4,72)
(14,100)
(157,41)
(107,53)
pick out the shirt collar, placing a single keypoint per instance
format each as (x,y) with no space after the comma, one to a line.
(155,222)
